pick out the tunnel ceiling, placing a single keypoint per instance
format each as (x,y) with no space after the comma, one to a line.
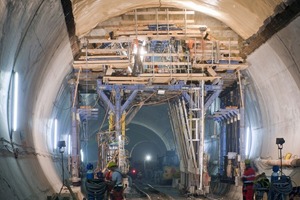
(234,13)
(255,20)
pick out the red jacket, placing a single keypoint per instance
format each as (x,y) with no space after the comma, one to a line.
(249,175)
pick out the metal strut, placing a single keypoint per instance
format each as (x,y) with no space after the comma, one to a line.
(118,109)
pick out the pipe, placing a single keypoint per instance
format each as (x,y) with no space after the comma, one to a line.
(201,155)
(111,125)
(287,163)
(123,124)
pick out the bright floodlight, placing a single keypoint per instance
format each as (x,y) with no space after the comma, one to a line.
(148,157)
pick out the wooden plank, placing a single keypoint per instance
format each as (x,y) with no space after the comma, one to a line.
(221,67)
(155,79)
(97,39)
(166,63)
(99,67)
(125,78)
(153,22)
(141,28)
(206,42)
(211,71)
(154,32)
(170,12)
(225,51)
(166,37)
(99,51)
(125,82)
(101,57)
(197,75)
(144,27)
(164,54)
(102,62)
(89,76)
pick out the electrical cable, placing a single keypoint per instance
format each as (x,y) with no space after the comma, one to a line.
(282,186)
(163,101)
(96,188)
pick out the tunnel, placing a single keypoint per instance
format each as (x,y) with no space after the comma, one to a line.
(41,40)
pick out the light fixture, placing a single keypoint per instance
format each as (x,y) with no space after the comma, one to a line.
(55,134)
(148,157)
(81,155)
(280,141)
(15,98)
(69,144)
(161,92)
(247,141)
(61,145)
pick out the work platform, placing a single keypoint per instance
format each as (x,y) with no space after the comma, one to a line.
(167,60)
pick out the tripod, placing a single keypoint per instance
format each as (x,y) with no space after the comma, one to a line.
(280,142)
(64,182)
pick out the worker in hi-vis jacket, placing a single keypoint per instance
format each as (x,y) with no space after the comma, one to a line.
(248,178)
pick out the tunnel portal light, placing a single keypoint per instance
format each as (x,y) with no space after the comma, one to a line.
(148,158)
(81,155)
(69,144)
(55,134)
(15,105)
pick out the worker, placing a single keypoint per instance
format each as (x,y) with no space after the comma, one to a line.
(108,179)
(90,172)
(275,173)
(248,178)
(100,175)
(116,181)
(274,179)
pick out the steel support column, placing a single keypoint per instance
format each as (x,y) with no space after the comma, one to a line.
(75,140)
(201,154)
(118,109)
(222,147)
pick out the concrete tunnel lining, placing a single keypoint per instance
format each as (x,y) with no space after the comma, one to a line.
(44,73)
(234,13)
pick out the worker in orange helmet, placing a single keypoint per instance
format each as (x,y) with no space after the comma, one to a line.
(248,178)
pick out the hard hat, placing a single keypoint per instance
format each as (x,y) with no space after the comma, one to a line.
(275,168)
(111,164)
(89,166)
(247,162)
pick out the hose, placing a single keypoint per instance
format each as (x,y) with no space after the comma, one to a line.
(95,189)
(283,186)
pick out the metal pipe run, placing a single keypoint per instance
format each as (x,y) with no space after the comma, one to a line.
(287,163)
(202,135)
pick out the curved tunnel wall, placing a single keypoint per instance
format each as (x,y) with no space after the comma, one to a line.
(275,71)
(34,43)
